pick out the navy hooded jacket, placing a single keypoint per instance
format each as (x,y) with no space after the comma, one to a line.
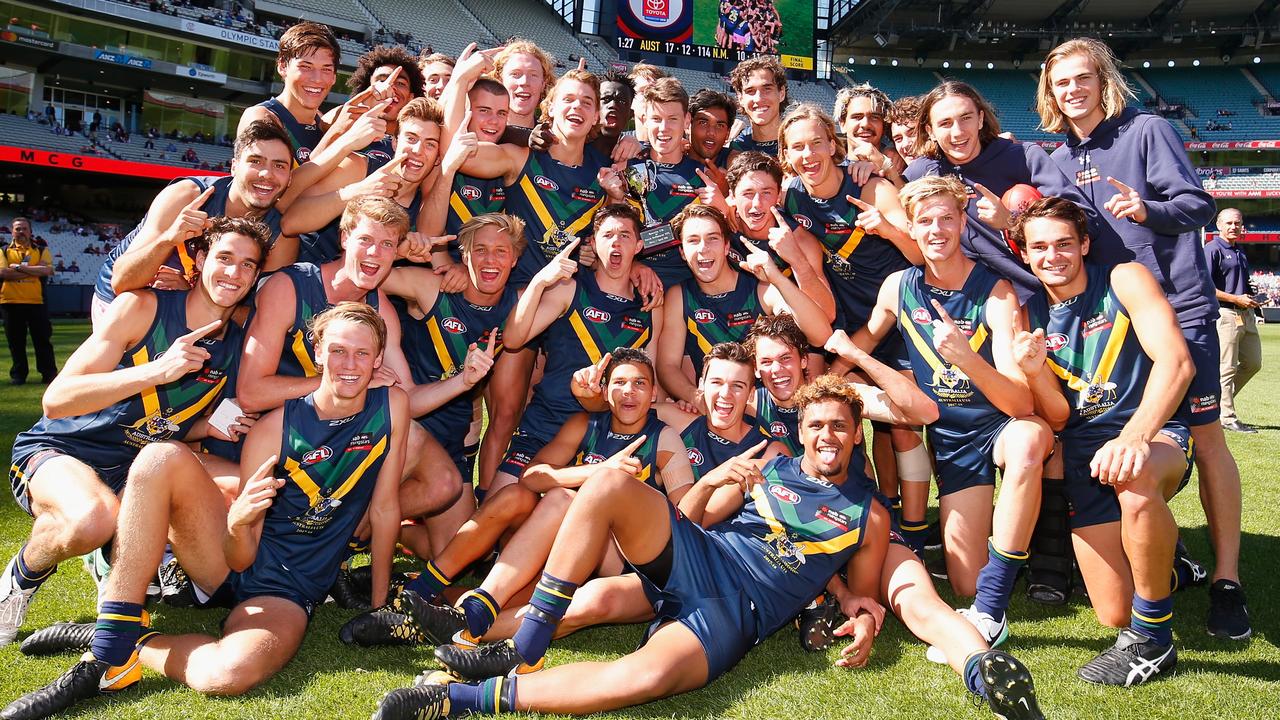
(1144,152)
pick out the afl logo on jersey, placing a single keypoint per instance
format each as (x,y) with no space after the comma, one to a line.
(593,459)
(379,155)
(704,316)
(785,494)
(695,456)
(469,192)
(1055,342)
(303,154)
(596,315)
(454,325)
(777,428)
(320,454)
(545,183)
(921,316)
(804,221)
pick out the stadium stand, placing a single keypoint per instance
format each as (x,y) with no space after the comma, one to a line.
(349,10)
(423,20)
(1205,91)
(896,81)
(533,20)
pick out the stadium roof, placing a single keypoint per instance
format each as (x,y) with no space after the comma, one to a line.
(1012,28)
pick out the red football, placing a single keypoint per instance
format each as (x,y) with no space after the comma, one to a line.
(1016,199)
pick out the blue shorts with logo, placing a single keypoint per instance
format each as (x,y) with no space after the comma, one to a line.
(964,459)
(28,456)
(704,593)
(242,586)
(1089,501)
(1200,406)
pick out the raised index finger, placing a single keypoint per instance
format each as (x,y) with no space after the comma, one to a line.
(859,203)
(202,198)
(1119,185)
(263,470)
(635,445)
(395,164)
(200,332)
(493,342)
(755,450)
(564,252)
(942,312)
(983,189)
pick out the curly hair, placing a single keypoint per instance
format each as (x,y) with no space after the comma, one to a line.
(829,387)
(628,356)
(781,327)
(384,55)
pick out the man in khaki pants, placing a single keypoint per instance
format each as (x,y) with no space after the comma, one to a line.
(1240,346)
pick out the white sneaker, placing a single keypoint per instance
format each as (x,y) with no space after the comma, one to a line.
(13,605)
(991,631)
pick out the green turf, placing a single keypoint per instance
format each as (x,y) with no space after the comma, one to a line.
(328,680)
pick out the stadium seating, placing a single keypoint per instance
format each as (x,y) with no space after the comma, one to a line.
(1268,181)
(342,9)
(24,133)
(536,21)
(1013,94)
(1206,90)
(894,81)
(1269,76)
(445,24)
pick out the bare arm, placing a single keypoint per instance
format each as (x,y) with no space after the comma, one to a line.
(257,491)
(384,506)
(137,266)
(551,467)
(673,466)
(496,161)
(547,296)
(884,196)
(259,385)
(896,398)
(670,348)
(1003,384)
(325,199)
(807,270)
(89,380)
(1157,329)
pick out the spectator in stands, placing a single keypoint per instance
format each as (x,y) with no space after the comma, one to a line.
(1241,347)
(74,267)
(60,266)
(171,147)
(49,114)
(23,268)
(190,156)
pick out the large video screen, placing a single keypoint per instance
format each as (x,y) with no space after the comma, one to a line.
(720,30)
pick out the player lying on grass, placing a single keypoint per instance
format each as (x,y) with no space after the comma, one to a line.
(310,471)
(785,530)
(152,370)
(628,436)
(1109,366)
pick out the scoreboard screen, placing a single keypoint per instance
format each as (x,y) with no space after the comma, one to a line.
(720,30)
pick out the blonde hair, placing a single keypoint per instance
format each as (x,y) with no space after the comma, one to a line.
(421,108)
(1115,91)
(356,312)
(917,191)
(879,101)
(585,77)
(520,46)
(383,211)
(510,225)
(808,111)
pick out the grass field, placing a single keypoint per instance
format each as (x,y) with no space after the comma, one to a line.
(1215,679)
